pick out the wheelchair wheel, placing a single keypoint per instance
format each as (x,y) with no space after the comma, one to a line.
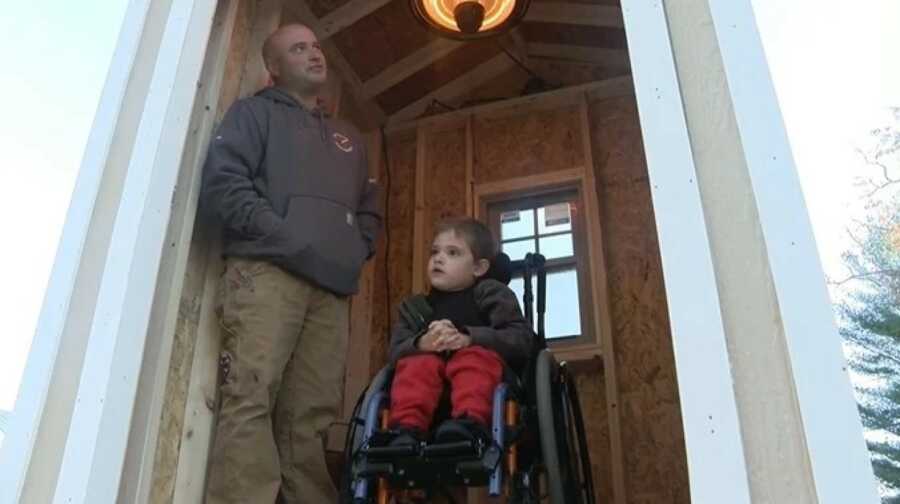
(563,446)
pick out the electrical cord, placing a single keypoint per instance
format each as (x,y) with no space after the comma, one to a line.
(387,227)
(517,61)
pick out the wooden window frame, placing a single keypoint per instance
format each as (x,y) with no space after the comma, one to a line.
(588,347)
(579,259)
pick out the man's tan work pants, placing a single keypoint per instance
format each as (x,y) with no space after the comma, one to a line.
(284,350)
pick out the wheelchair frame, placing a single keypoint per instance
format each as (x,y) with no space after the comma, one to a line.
(536,429)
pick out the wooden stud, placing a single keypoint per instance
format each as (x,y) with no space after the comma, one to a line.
(575,14)
(335,96)
(470,169)
(418,256)
(602,312)
(266,19)
(346,15)
(198,431)
(409,65)
(176,285)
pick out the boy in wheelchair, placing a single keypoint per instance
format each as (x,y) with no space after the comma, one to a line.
(469,332)
(477,327)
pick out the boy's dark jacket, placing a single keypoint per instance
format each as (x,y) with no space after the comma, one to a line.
(291,187)
(505,330)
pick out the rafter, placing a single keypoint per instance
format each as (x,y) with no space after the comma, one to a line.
(617,58)
(575,14)
(346,15)
(456,88)
(409,65)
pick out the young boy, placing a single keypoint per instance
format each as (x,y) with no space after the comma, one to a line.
(477,327)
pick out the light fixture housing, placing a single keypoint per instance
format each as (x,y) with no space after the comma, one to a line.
(469,19)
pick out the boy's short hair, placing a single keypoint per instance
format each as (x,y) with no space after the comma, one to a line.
(476,235)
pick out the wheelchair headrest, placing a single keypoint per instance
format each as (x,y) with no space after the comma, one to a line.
(501,269)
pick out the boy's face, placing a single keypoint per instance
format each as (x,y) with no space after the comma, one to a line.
(452,267)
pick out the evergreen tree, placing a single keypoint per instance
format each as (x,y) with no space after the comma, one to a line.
(869,313)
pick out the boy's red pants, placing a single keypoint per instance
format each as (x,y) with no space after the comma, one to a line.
(473,373)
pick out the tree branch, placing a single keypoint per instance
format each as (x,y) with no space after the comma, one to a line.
(860,276)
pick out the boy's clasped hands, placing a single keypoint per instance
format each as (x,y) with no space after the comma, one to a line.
(443,336)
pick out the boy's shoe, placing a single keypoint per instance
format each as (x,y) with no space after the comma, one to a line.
(462,429)
(406,436)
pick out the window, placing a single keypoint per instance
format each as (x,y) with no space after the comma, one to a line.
(550,224)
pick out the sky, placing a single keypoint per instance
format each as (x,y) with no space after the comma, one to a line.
(60,51)
(829,63)
(832,72)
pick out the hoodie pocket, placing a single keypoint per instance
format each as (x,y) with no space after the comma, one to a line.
(318,231)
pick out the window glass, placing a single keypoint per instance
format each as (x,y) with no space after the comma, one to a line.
(555,247)
(516,224)
(517,249)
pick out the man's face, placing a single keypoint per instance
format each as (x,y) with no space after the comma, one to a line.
(298,61)
(452,267)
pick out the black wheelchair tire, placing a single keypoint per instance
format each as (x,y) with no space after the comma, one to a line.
(549,402)
(559,451)
(582,458)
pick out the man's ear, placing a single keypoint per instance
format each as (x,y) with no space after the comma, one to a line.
(271,68)
(481,267)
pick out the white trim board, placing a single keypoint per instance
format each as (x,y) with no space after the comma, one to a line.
(45,399)
(833,432)
(716,464)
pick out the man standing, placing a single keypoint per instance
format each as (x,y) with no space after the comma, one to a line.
(291,188)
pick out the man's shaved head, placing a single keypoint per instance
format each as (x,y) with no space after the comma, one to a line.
(276,41)
(294,59)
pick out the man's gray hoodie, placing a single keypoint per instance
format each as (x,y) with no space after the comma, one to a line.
(291,187)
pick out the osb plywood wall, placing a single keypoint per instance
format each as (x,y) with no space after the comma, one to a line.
(512,146)
(653,439)
(517,146)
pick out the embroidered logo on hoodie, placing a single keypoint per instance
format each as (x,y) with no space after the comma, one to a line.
(342,142)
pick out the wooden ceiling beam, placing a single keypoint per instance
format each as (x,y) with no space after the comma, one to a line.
(514,42)
(617,86)
(616,58)
(575,14)
(346,15)
(456,88)
(300,11)
(407,66)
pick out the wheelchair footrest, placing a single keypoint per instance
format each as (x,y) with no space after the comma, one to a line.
(389,452)
(370,469)
(454,449)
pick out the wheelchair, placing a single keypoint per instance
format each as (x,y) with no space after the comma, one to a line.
(537,449)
